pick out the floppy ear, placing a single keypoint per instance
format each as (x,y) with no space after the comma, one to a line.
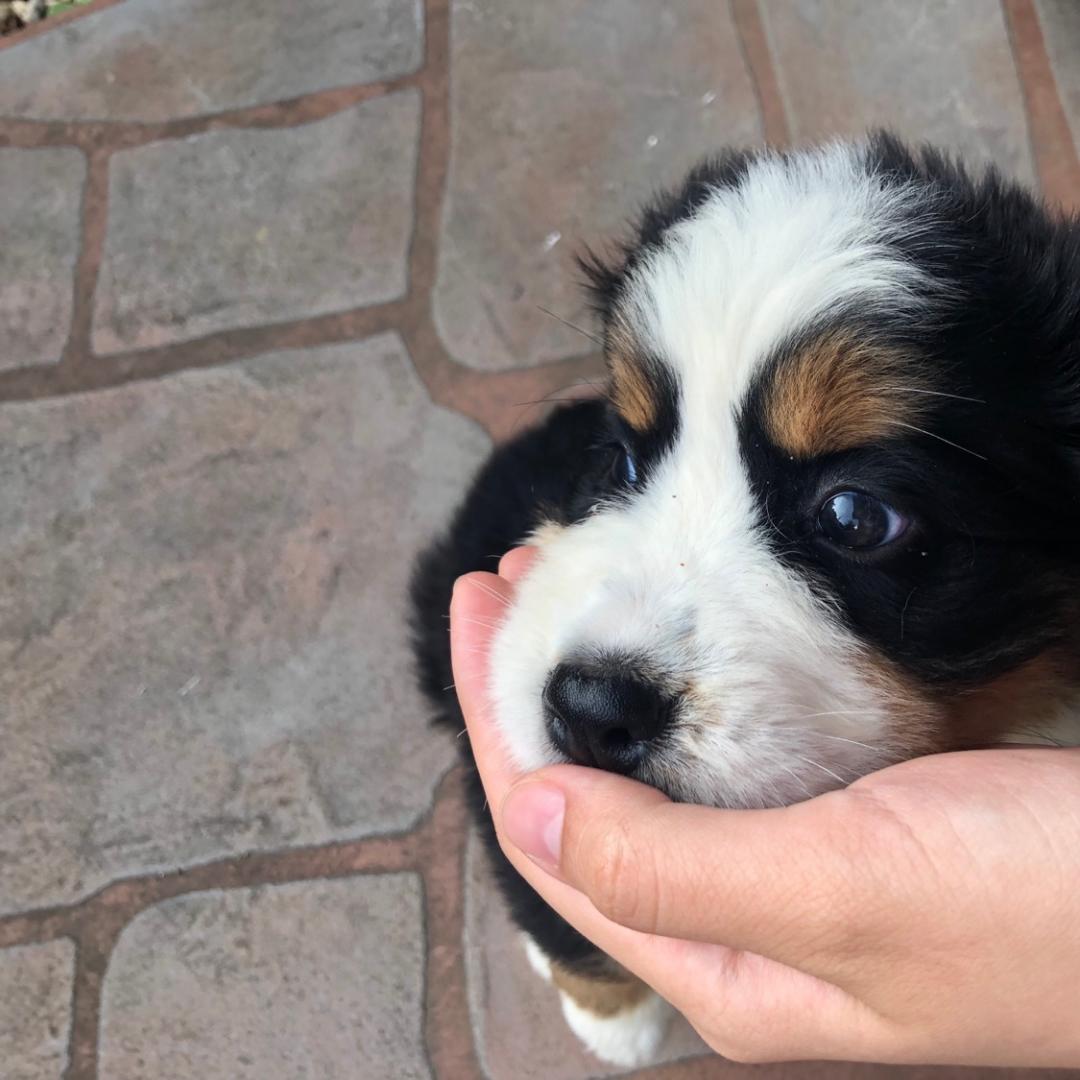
(1032,315)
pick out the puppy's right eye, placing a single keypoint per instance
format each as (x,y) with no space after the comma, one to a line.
(623,469)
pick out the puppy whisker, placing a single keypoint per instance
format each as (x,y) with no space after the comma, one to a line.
(817,765)
(853,742)
(941,438)
(1035,733)
(936,393)
(832,712)
(491,592)
(768,514)
(903,610)
(798,780)
(480,620)
(566,322)
(550,398)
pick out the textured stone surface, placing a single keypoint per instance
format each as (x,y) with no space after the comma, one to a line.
(520,1031)
(1061,31)
(203,576)
(162,59)
(937,70)
(40,194)
(35,1010)
(316,979)
(238,228)
(202,614)
(564,117)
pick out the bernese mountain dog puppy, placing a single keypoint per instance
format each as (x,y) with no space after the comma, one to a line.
(826,517)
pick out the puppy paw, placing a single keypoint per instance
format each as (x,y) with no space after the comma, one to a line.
(627,1038)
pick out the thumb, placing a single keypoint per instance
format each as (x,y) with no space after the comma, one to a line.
(783,883)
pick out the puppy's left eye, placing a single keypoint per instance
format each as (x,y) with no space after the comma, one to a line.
(856,520)
(629,467)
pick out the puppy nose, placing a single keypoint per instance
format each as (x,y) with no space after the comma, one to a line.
(607,719)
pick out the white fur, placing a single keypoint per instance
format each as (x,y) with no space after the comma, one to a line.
(631,1038)
(795,240)
(1062,728)
(538,959)
(29,10)
(627,1039)
(780,706)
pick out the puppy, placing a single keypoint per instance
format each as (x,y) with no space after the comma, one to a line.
(827,517)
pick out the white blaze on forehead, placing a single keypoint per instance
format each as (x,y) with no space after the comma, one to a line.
(756,263)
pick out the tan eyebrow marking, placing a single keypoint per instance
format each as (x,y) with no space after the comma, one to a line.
(633,393)
(837,393)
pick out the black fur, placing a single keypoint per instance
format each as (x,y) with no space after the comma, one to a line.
(990,573)
(548,472)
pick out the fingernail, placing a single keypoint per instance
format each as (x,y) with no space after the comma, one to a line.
(532,818)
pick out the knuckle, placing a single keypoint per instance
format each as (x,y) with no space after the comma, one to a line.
(865,847)
(621,877)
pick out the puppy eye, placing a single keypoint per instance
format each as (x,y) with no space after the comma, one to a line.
(856,520)
(623,467)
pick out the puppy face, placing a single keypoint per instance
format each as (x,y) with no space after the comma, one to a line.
(831,518)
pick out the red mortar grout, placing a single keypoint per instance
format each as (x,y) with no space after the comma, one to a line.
(1050,135)
(373,854)
(448,1026)
(433,848)
(448,1029)
(116,135)
(88,372)
(493,399)
(754,42)
(95,210)
(433,158)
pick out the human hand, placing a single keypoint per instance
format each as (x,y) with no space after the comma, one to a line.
(930,912)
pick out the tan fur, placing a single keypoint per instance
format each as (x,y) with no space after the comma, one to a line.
(837,393)
(632,393)
(602,994)
(1021,703)
(917,722)
(1018,705)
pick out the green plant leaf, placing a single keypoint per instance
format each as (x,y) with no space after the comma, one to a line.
(56,9)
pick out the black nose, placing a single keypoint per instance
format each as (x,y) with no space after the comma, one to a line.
(604,718)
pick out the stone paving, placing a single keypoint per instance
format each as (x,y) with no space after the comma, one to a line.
(271,284)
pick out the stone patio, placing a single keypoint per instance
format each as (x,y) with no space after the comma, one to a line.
(271,284)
